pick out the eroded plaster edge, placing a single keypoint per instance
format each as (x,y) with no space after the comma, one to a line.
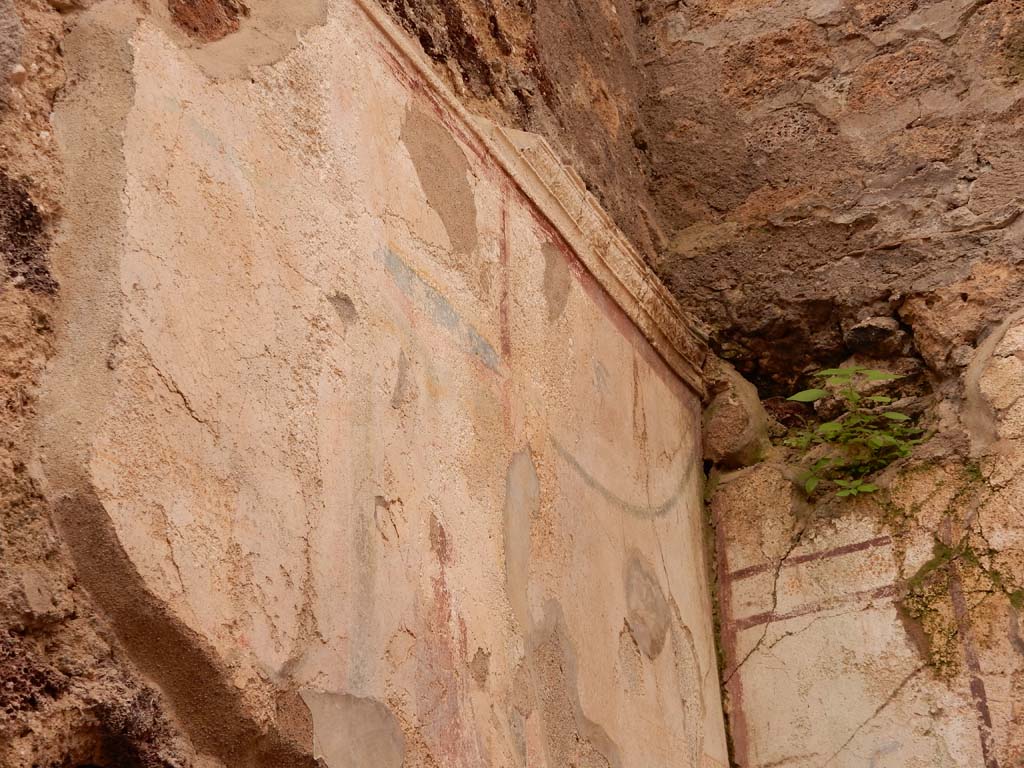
(561,196)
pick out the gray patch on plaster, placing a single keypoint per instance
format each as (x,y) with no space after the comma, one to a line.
(344,306)
(354,732)
(522,502)
(648,614)
(405,390)
(571,738)
(443,171)
(643,511)
(556,281)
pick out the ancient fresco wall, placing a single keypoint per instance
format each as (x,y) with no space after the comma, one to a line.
(884,630)
(366,433)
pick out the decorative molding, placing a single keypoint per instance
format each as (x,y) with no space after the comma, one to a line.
(562,197)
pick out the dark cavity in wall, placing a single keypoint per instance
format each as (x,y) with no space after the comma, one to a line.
(23,240)
(208,20)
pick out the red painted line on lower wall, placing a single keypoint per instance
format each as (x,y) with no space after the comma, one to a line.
(503,314)
(978,694)
(825,554)
(732,683)
(979,697)
(768,617)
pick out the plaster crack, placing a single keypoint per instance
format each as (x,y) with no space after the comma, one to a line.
(173,388)
(771,614)
(878,710)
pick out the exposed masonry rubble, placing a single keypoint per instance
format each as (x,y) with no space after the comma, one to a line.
(907,601)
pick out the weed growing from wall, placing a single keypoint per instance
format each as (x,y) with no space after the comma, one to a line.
(866,436)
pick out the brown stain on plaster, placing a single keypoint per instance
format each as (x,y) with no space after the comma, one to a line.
(480,667)
(344,307)
(648,615)
(207,20)
(443,173)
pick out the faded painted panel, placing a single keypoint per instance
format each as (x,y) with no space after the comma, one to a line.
(365,428)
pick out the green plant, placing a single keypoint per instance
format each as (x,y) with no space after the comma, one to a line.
(865,438)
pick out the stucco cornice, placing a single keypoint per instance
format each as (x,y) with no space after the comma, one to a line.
(562,197)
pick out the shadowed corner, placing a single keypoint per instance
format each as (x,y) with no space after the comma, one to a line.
(173,656)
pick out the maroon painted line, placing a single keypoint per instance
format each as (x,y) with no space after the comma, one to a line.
(825,554)
(822,605)
(734,712)
(503,311)
(503,303)
(414,83)
(978,694)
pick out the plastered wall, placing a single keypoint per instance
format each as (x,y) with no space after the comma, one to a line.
(367,434)
(884,631)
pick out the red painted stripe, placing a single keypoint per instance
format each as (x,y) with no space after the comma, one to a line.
(825,554)
(822,605)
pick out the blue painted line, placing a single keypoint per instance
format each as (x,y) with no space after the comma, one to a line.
(417,290)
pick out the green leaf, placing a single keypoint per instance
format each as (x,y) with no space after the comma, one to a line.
(808,395)
(867,488)
(846,483)
(811,484)
(896,416)
(841,372)
(873,375)
(847,492)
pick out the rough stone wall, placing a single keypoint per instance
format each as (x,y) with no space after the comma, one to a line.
(319,419)
(817,164)
(839,182)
